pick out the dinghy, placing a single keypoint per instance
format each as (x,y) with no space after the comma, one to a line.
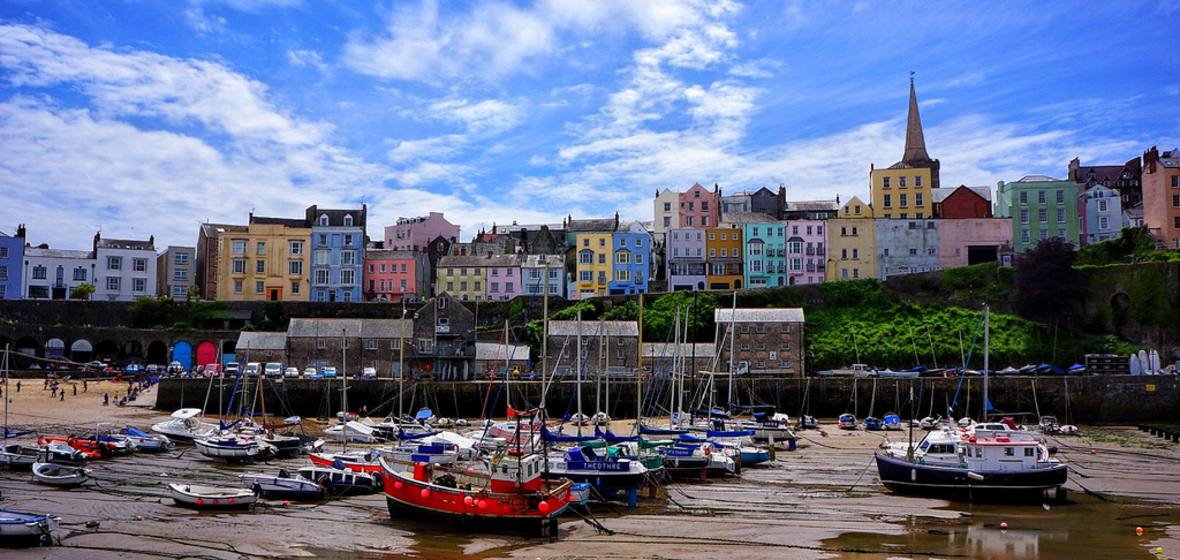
(211,497)
(54,474)
(283,486)
(22,529)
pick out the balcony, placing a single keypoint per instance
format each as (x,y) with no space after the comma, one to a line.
(811,251)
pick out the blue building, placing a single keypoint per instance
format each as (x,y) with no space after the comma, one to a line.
(338,253)
(12,256)
(631,254)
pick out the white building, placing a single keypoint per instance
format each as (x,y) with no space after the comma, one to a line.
(126,269)
(54,273)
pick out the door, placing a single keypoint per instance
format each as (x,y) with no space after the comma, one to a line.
(274,294)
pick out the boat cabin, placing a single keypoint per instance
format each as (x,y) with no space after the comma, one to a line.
(511,472)
(1001,451)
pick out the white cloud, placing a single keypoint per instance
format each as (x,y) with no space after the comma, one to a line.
(437,147)
(310,58)
(490,116)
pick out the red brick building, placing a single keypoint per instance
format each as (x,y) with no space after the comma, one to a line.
(962,203)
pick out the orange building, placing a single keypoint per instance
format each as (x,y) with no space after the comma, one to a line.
(724,249)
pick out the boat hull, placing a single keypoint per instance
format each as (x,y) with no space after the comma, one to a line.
(211,497)
(66,476)
(518,513)
(954,483)
(26,529)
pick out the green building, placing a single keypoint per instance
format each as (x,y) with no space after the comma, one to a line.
(1040,207)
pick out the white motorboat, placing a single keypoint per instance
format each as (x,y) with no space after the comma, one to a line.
(355,432)
(145,441)
(341,482)
(186,426)
(20,528)
(54,474)
(15,456)
(285,485)
(234,447)
(211,497)
(60,453)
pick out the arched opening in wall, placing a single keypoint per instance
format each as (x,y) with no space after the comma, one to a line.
(28,346)
(5,343)
(1120,303)
(157,353)
(183,352)
(82,351)
(737,284)
(206,353)
(133,350)
(55,348)
(229,351)
(106,351)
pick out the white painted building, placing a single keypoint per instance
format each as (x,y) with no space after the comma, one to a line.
(54,273)
(126,269)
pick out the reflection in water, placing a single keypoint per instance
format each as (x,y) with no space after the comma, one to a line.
(1086,528)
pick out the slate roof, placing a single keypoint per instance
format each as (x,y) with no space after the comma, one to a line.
(355,328)
(389,254)
(592,328)
(126,244)
(34,252)
(262,341)
(941,194)
(214,230)
(1036,179)
(478,260)
(285,222)
(779,315)
(488,351)
(669,349)
(747,218)
(812,206)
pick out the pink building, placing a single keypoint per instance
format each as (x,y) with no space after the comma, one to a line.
(699,208)
(973,240)
(414,234)
(396,275)
(503,278)
(807,251)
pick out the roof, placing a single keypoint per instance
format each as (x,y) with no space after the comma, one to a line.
(213,230)
(669,349)
(390,254)
(1036,179)
(478,260)
(34,252)
(813,206)
(747,218)
(915,143)
(250,341)
(594,328)
(941,194)
(352,328)
(1170,159)
(769,315)
(336,216)
(539,261)
(285,222)
(489,351)
(133,244)
(598,224)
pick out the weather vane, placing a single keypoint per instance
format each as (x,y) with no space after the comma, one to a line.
(911,77)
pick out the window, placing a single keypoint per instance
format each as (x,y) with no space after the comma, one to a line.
(1103,205)
(1040,197)
(1103,222)
(855,230)
(623,275)
(113,283)
(902,200)
(885,182)
(239,266)
(585,276)
(462,286)
(623,257)
(1024,215)
(295,267)
(901,182)
(844,273)
(260,266)
(1176,222)
(1060,197)
(888,201)
(3,252)
(323,257)
(622,242)
(1024,197)
(348,258)
(1061,215)
(347,276)
(917,180)
(639,256)
(321,277)
(1175,201)
(602,242)
(508,287)
(667,206)
(856,253)
(114,263)
(80,274)
(450,286)
(1043,215)
(1175,182)
(917,199)
(324,220)
(180,275)
(296,246)
(667,221)
(494,287)
(239,246)
(602,258)
(261,249)
(237,286)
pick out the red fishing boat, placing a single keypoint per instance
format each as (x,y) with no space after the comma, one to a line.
(91,448)
(513,496)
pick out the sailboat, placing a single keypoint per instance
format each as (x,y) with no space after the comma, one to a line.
(13,456)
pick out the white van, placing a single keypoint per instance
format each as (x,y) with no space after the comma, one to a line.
(253,368)
(273,369)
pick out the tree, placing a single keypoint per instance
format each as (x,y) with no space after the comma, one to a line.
(1048,287)
(84,291)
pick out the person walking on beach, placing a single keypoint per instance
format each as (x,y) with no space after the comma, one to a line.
(84,386)
(54,393)
(75,390)
(63,395)
(106,399)
(18,386)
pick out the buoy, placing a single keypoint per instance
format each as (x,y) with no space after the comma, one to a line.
(398,485)
(231,500)
(468,500)
(1003,525)
(1159,550)
(1093,451)
(200,501)
(543,506)
(425,493)
(286,503)
(483,504)
(139,518)
(1138,530)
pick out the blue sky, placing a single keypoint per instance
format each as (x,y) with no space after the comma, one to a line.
(145,117)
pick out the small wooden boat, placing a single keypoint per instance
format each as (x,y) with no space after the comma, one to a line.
(54,474)
(16,456)
(211,497)
(25,529)
(283,486)
(342,482)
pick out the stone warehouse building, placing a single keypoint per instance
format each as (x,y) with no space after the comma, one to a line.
(764,342)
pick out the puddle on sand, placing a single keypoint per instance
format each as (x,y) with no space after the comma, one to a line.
(1086,528)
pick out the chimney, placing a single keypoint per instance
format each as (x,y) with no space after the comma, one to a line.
(616,220)
(489,254)
(20,231)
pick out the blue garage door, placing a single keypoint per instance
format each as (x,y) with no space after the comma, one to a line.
(183,352)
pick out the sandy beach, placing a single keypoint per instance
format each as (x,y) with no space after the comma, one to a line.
(820,501)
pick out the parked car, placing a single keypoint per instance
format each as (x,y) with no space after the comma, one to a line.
(175,367)
(153,368)
(368,373)
(232,368)
(253,369)
(310,371)
(211,370)
(133,368)
(94,366)
(272,369)
(329,371)
(291,372)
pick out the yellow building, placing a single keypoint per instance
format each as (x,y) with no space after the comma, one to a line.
(724,247)
(902,191)
(852,246)
(266,262)
(593,264)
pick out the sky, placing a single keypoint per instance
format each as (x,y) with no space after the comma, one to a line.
(140,118)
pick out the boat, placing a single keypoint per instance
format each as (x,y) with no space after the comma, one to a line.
(23,529)
(514,494)
(354,432)
(872,423)
(904,374)
(606,473)
(233,447)
(16,456)
(211,497)
(54,474)
(359,461)
(185,426)
(145,441)
(57,452)
(284,485)
(90,448)
(985,462)
(1048,425)
(847,421)
(807,422)
(342,482)
(892,422)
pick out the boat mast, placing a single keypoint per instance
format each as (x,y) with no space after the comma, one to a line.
(986,344)
(544,332)
(401,353)
(4,367)
(732,362)
(639,370)
(578,377)
(344,390)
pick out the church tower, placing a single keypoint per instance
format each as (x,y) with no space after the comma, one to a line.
(902,191)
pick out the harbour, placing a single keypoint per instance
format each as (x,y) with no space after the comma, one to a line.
(822,500)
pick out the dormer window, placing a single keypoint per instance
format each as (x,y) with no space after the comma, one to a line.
(348,221)
(324,220)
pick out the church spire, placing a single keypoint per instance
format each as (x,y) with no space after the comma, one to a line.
(915,144)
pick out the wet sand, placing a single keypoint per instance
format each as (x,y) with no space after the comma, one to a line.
(821,501)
